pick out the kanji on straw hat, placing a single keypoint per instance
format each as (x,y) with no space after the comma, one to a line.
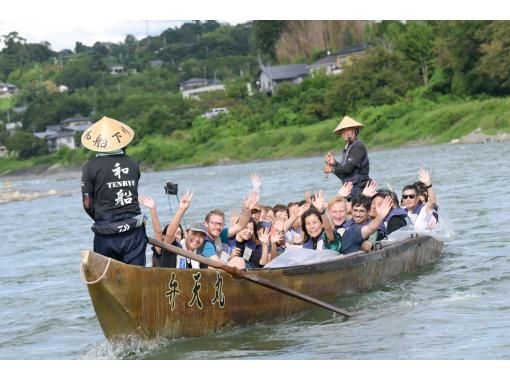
(107,135)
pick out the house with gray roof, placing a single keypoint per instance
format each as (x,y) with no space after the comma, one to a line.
(271,76)
(334,64)
(63,134)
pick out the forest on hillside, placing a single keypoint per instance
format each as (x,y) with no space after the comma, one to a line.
(432,61)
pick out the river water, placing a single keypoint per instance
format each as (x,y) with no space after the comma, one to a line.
(457,308)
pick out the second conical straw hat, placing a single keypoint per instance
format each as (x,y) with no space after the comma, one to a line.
(347,122)
(107,135)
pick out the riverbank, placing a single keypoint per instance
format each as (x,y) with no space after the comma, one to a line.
(408,123)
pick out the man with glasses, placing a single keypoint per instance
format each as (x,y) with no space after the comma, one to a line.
(216,241)
(421,214)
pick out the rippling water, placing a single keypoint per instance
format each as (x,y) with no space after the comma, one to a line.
(457,308)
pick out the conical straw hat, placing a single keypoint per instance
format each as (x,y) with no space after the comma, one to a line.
(347,122)
(107,135)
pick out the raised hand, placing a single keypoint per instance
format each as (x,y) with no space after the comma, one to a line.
(276,237)
(425,176)
(234,217)
(370,189)
(318,201)
(301,210)
(146,201)
(256,182)
(263,234)
(384,208)
(345,190)
(308,198)
(186,200)
(250,202)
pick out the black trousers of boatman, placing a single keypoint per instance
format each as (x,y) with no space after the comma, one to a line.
(127,247)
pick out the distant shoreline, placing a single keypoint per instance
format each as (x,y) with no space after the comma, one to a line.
(60,172)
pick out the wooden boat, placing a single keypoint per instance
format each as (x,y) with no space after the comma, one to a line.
(167,302)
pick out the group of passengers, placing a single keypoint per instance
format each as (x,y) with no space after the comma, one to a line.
(258,234)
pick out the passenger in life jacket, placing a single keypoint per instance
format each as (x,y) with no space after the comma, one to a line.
(172,234)
(246,246)
(318,231)
(423,196)
(337,209)
(355,236)
(360,209)
(216,242)
(396,218)
(354,166)
(421,214)
(294,234)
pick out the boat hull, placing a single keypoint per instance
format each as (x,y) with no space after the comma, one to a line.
(171,303)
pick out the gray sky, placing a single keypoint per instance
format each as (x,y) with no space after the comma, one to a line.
(63,22)
(64,34)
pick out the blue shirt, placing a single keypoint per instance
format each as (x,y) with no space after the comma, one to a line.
(352,239)
(210,248)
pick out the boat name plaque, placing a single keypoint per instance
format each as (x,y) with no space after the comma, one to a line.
(173,291)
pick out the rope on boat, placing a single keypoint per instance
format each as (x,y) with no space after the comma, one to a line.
(82,274)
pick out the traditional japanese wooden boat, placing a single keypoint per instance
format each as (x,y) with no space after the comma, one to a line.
(166,302)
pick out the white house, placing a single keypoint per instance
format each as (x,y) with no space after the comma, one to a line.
(195,86)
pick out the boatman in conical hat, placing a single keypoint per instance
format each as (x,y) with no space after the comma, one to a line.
(354,166)
(110,193)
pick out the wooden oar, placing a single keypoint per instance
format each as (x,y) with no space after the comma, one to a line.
(248,276)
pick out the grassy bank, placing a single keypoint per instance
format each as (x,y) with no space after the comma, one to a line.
(415,122)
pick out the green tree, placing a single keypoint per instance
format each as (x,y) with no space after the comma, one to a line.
(79,73)
(267,33)
(494,64)
(26,145)
(379,77)
(457,48)
(417,43)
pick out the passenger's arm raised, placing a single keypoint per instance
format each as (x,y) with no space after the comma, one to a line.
(425,177)
(248,204)
(318,203)
(176,220)
(374,224)
(151,204)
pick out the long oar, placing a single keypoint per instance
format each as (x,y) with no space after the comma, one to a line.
(248,276)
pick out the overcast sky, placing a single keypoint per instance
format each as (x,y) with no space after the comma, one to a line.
(64,35)
(63,22)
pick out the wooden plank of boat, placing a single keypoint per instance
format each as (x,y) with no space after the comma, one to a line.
(168,302)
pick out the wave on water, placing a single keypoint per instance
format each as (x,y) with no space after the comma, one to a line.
(132,347)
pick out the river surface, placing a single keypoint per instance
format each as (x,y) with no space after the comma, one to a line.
(457,308)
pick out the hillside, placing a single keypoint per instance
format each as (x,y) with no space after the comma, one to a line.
(417,83)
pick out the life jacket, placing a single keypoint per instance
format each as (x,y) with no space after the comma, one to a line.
(414,214)
(317,244)
(344,227)
(219,246)
(394,212)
